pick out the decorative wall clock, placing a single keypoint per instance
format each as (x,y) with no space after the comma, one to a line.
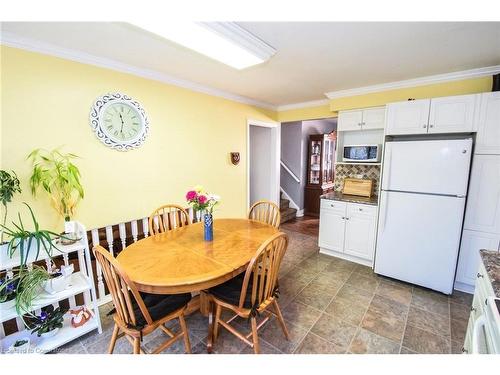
(119,121)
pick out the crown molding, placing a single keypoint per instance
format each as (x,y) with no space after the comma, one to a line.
(312,103)
(429,80)
(15,41)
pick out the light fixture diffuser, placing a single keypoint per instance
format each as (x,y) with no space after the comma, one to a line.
(225,42)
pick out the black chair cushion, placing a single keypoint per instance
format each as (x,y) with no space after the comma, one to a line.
(230,291)
(159,305)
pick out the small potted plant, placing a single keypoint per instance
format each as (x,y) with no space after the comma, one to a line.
(24,245)
(8,293)
(9,185)
(205,203)
(49,321)
(54,172)
(21,345)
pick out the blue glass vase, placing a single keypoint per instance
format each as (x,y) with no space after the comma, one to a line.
(208,226)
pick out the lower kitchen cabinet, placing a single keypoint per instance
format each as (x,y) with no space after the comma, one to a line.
(347,230)
(469,259)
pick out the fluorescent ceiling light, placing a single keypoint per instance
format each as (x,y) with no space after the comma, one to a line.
(222,41)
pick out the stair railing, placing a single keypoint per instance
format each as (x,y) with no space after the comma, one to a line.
(289,171)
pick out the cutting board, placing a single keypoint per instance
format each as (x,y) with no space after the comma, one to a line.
(358,186)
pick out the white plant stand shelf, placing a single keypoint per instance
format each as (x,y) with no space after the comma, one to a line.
(81,282)
(41,345)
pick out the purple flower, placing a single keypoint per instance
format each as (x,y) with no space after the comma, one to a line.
(43,316)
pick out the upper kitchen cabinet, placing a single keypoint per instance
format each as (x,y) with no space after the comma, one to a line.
(452,114)
(488,129)
(410,117)
(483,204)
(373,118)
(361,119)
(349,120)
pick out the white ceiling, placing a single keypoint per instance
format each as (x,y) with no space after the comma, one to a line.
(312,57)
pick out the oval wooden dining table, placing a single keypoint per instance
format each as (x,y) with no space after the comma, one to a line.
(180,260)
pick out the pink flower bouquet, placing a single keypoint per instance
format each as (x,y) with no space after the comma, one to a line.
(202,201)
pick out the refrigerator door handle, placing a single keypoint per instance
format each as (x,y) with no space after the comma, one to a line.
(384,212)
(387,166)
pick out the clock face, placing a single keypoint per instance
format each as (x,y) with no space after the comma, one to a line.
(121,122)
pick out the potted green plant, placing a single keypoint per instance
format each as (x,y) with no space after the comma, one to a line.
(55,173)
(28,287)
(24,245)
(8,293)
(21,345)
(9,185)
(49,321)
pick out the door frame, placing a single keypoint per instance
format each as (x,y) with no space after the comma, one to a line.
(276,133)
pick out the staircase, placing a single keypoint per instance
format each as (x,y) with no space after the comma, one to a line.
(287,213)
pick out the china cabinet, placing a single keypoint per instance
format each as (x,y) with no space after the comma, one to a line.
(320,170)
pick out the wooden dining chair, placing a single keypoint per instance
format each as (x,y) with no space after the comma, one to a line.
(138,314)
(251,293)
(168,217)
(266,212)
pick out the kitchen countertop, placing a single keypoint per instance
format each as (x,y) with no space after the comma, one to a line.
(339,196)
(491,260)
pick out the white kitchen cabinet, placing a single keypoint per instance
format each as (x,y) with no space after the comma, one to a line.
(452,114)
(360,232)
(347,230)
(483,204)
(373,118)
(350,120)
(362,119)
(468,261)
(410,117)
(488,129)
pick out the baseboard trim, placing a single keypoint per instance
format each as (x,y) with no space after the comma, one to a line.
(299,213)
(348,257)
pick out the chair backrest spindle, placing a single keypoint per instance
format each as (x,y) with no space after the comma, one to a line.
(168,217)
(266,212)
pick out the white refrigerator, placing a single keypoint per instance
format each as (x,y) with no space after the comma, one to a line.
(423,192)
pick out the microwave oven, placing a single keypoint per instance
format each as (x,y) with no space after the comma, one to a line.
(362,153)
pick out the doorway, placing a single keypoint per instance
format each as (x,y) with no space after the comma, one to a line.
(263,166)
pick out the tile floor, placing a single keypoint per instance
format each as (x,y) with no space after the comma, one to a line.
(330,306)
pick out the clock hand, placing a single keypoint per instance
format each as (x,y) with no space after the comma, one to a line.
(121,119)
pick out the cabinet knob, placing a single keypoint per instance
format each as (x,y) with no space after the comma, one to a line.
(343,217)
(347,218)
(464,350)
(361,209)
(360,123)
(424,126)
(472,309)
(431,126)
(479,275)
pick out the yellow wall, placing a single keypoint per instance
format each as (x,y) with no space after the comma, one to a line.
(469,86)
(46,102)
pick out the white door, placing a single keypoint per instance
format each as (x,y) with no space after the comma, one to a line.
(483,204)
(411,117)
(437,166)
(452,114)
(350,120)
(373,118)
(360,234)
(488,132)
(468,262)
(331,230)
(418,238)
